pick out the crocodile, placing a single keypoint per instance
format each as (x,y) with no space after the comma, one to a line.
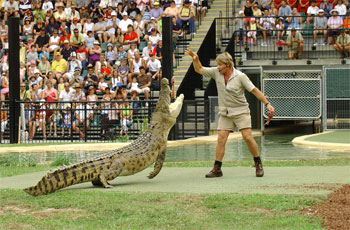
(148,148)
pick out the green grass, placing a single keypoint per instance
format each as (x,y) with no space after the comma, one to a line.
(11,166)
(45,144)
(339,136)
(118,210)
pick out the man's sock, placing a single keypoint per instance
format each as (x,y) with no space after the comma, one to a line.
(218,163)
(257,160)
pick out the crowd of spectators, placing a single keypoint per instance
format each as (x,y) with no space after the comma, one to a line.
(328,18)
(96,51)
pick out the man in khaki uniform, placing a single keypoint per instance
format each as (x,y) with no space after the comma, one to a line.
(342,45)
(233,107)
(295,42)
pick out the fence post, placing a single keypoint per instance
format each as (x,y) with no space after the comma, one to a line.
(13,25)
(167,53)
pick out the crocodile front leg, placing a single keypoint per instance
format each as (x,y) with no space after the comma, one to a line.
(109,174)
(158,165)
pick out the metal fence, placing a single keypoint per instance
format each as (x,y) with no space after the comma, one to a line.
(82,121)
(336,98)
(296,95)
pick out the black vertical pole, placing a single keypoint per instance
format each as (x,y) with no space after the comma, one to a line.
(13,25)
(167,50)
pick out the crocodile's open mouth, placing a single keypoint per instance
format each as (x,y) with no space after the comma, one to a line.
(176,106)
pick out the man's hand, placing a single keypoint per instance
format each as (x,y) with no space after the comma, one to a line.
(191,53)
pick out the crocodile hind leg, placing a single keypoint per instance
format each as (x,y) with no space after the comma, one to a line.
(158,165)
(109,174)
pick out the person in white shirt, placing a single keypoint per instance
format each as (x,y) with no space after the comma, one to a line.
(146,51)
(11,9)
(47,5)
(123,24)
(266,24)
(154,66)
(66,94)
(311,12)
(341,8)
(111,25)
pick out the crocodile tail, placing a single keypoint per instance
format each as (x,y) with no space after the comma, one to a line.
(60,178)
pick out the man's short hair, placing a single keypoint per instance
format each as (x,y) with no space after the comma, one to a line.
(225,58)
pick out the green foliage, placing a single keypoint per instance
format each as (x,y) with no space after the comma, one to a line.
(64,159)
(144,124)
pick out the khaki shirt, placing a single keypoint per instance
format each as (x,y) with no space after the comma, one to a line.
(298,37)
(232,100)
(343,40)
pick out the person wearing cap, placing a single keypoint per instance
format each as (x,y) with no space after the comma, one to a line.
(59,65)
(60,15)
(77,93)
(172,10)
(154,37)
(74,13)
(342,45)
(76,38)
(295,43)
(123,24)
(66,50)
(27,29)
(76,78)
(42,41)
(320,27)
(72,65)
(186,16)
(100,28)
(233,107)
(76,25)
(82,55)
(133,10)
(95,52)
(156,11)
(334,24)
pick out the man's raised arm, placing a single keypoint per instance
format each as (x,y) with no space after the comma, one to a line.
(196,63)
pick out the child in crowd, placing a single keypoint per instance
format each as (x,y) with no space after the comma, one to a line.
(102,85)
(67,120)
(123,72)
(252,31)
(134,89)
(120,55)
(60,86)
(90,39)
(125,117)
(22,71)
(110,54)
(55,120)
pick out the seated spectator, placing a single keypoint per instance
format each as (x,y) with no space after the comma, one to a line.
(334,23)
(50,76)
(66,95)
(133,10)
(60,15)
(320,27)
(98,65)
(295,21)
(76,38)
(111,25)
(92,97)
(264,4)
(54,42)
(100,28)
(295,43)
(130,37)
(135,66)
(248,9)
(4,85)
(59,65)
(76,78)
(153,66)
(44,65)
(88,26)
(27,30)
(23,93)
(82,119)
(76,25)
(326,6)
(110,54)
(177,30)
(32,57)
(90,78)
(240,32)
(50,95)
(120,55)
(256,11)
(186,16)
(342,45)
(123,24)
(67,50)
(156,11)
(303,6)
(82,55)
(77,94)
(11,8)
(341,8)
(124,71)
(154,36)
(311,12)
(40,119)
(126,114)
(131,52)
(102,85)
(172,10)
(47,5)
(266,24)
(52,26)
(347,21)
(284,11)
(42,41)
(64,37)
(90,40)
(144,82)
(95,53)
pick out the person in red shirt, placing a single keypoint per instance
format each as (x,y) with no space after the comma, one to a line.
(65,36)
(82,55)
(130,36)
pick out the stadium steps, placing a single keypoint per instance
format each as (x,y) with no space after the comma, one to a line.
(216,7)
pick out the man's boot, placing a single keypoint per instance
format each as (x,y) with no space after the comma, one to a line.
(215,172)
(259,169)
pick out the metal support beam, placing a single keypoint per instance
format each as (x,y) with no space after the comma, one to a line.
(167,50)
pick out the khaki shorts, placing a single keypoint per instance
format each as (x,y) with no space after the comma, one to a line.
(240,121)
